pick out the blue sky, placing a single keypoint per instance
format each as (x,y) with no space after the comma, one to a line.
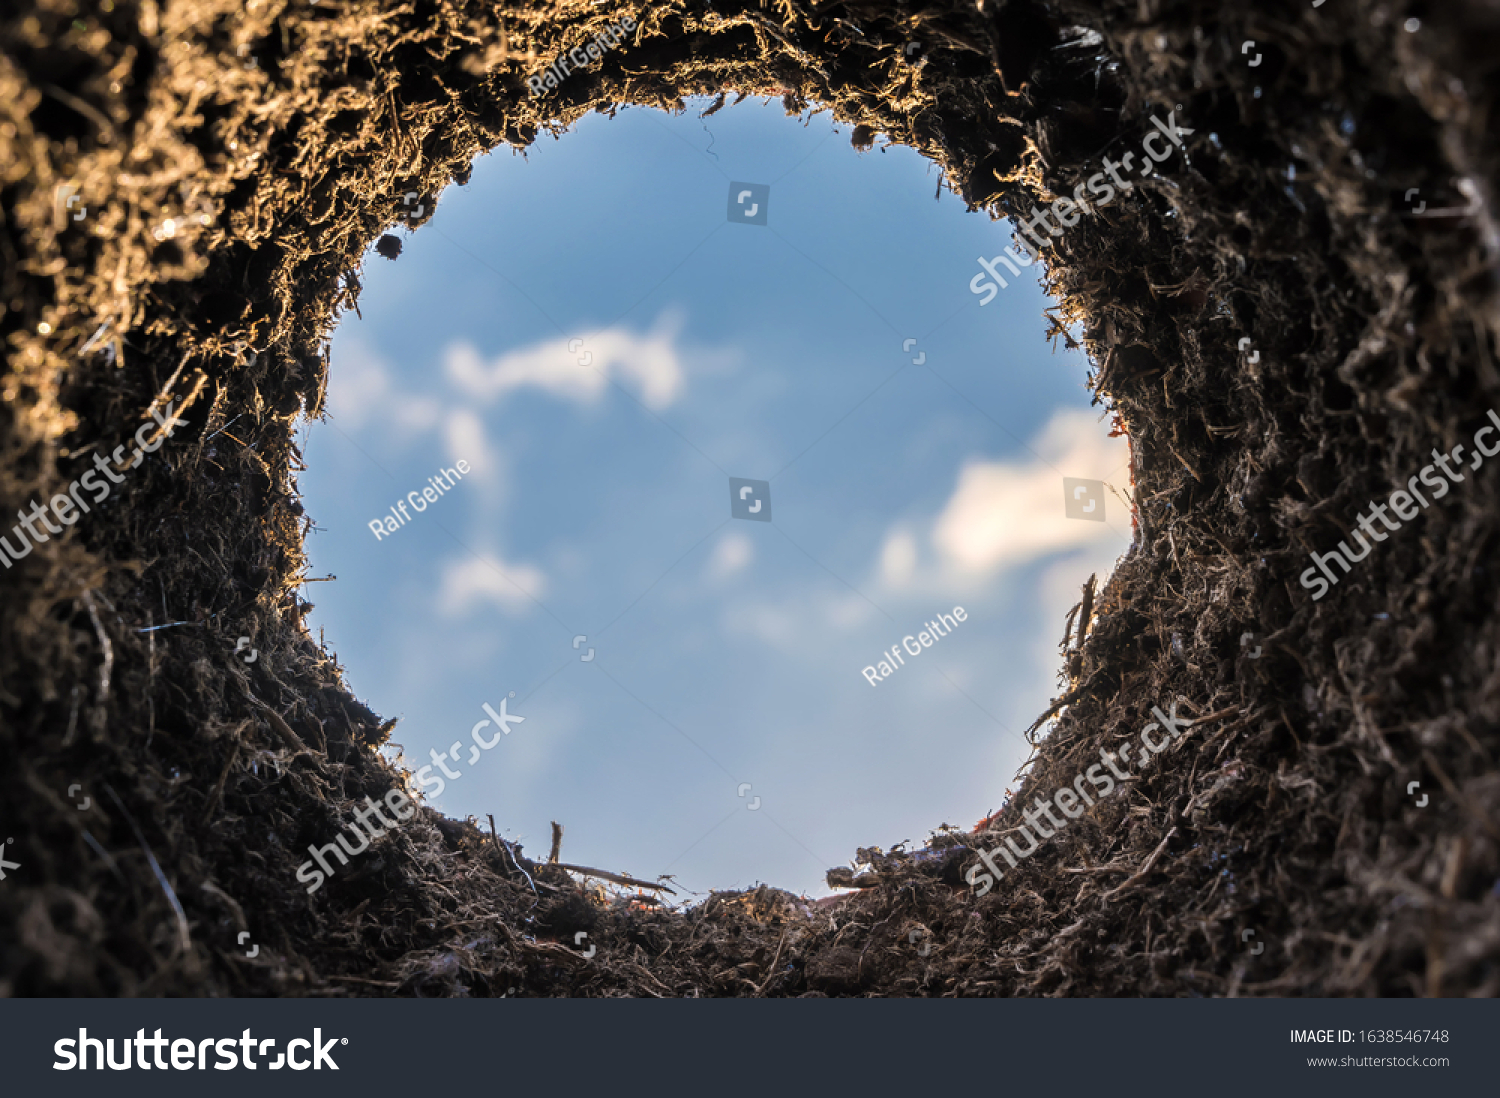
(905,480)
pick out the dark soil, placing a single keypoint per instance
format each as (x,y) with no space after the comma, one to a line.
(278,139)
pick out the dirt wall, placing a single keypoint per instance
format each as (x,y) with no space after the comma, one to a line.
(224,168)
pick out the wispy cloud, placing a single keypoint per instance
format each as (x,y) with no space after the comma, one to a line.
(732,554)
(467,583)
(364,391)
(1004,514)
(578,368)
(367,396)
(898,557)
(464,436)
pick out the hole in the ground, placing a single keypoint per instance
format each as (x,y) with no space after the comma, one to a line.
(609,334)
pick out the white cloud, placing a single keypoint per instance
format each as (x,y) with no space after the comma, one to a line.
(898,559)
(364,385)
(367,396)
(732,553)
(1003,514)
(417,414)
(651,361)
(777,627)
(512,587)
(463,431)
(798,623)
